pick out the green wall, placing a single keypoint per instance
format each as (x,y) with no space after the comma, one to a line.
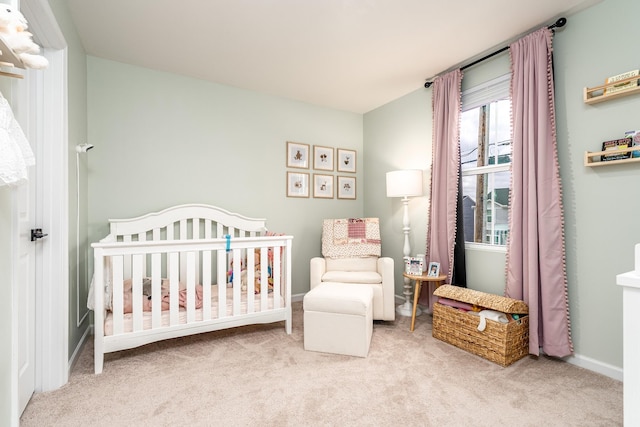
(162,139)
(599,203)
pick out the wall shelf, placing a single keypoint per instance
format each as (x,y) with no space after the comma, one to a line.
(598,94)
(592,158)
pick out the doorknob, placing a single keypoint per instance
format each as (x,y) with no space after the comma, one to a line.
(36,233)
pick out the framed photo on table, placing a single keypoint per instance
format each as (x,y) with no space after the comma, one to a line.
(322,158)
(346,160)
(297,155)
(323,186)
(297,184)
(434,269)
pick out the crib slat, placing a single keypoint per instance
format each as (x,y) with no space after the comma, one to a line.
(191,286)
(136,291)
(196,236)
(118,286)
(277,275)
(207,229)
(195,226)
(251,279)
(264,278)
(156,290)
(206,285)
(222,283)
(237,281)
(174,289)
(183,229)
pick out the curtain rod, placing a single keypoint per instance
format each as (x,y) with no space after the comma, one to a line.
(561,22)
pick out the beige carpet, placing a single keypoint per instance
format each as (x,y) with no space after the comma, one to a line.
(258,375)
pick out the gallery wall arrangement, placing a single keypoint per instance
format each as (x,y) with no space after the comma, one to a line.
(325,160)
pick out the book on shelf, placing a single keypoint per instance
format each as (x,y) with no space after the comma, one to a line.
(621,86)
(635,141)
(616,145)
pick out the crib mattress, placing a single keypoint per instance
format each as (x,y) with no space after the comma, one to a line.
(199,313)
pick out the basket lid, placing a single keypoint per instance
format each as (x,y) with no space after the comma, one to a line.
(482,299)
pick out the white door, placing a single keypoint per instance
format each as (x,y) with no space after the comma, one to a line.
(27,253)
(26,277)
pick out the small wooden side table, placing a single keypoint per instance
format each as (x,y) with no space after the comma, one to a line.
(438,280)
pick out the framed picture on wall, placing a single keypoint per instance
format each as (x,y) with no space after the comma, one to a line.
(322,158)
(297,155)
(297,184)
(346,160)
(346,187)
(323,186)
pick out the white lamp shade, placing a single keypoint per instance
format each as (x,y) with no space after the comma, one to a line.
(404,183)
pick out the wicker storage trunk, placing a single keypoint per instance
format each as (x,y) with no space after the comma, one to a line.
(502,343)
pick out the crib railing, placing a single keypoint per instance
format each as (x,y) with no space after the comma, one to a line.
(204,261)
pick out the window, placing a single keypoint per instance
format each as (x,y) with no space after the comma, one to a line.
(485,155)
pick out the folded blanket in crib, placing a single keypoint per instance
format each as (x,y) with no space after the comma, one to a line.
(351,237)
(147,303)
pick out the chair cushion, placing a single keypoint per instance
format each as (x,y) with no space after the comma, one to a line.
(339,298)
(369,277)
(352,264)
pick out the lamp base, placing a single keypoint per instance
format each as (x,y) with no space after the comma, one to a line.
(407,310)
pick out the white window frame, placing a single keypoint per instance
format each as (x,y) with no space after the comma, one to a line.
(490,91)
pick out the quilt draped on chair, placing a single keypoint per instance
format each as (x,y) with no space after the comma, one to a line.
(351,237)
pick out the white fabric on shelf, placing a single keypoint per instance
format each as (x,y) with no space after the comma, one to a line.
(15,152)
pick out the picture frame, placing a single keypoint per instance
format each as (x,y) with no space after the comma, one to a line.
(434,269)
(323,158)
(323,186)
(346,160)
(346,187)
(297,184)
(414,266)
(297,155)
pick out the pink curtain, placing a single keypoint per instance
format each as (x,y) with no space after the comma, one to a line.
(536,252)
(441,233)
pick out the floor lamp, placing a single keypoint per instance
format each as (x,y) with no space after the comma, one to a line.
(405,184)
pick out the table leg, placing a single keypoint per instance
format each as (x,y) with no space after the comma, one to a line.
(416,295)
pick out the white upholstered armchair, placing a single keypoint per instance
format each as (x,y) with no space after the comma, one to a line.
(351,254)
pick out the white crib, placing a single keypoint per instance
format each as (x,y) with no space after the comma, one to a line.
(160,271)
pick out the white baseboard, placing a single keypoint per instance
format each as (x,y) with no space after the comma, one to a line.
(78,349)
(596,366)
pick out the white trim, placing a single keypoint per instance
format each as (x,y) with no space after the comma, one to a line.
(43,24)
(480,170)
(484,247)
(15,362)
(52,302)
(596,366)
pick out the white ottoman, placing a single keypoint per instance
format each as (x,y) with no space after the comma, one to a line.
(338,318)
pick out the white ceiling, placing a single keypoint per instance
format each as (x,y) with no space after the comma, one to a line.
(352,55)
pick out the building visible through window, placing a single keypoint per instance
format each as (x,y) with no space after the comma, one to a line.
(485,155)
